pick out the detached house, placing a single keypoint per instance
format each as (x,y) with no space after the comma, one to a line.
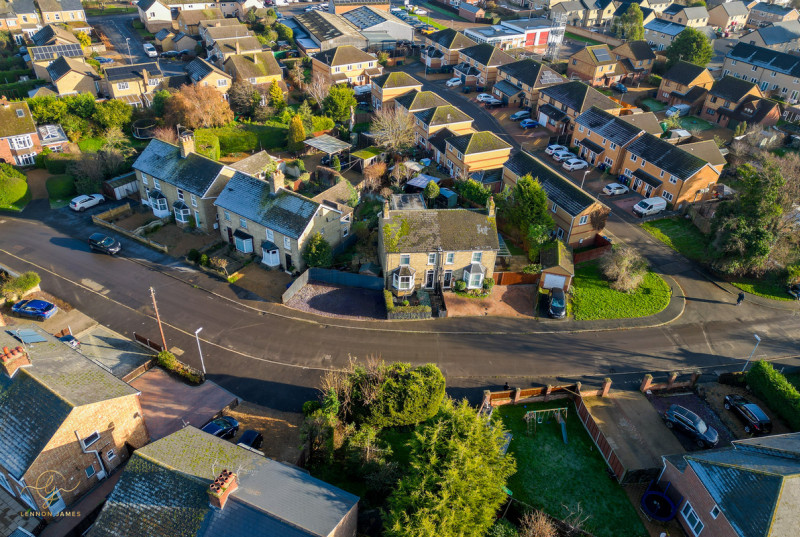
(189,19)
(661,33)
(131,83)
(518,83)
(442,48)
(19,139)
(636,58)
(427,122)
(175,180)
(685,83)
(193,484)
(345,64)
(602,138)
(655,167)
(725,96)
(595,65)
(570,207)
(53,34)
(71,77)
(415,101)
(64,420)
(433,248)
(694,17)
(749,489)
(764,14)
(478,64)
(261,217)
(42,57)
(475,151)
(386,88)
(728,15)
(561,104)
(259,68)
(158,14)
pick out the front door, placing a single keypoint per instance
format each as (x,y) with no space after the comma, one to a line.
(448,279)
(288,261)
(637,184)
(429,279)
(230,235)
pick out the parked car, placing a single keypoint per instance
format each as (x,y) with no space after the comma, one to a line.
(794,290)
(453,82)
(40,310)
(83,202)
(556,303)
(522,114)
(224,427)
(493,102)
(686,421)
(563,155)
(101,59)
(420,11)
(754,419)
(104,243)
(363,89)
(679,110)
(650,206)
(483,97)
(615,189)
(428,29)
(252,439)
(574,164)
(170,54)
(528,123)
(150,50)
(620,87)
(70,340)
(550,149)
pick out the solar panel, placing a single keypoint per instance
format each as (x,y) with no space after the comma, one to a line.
(71,50)
(28,335)
(601,54)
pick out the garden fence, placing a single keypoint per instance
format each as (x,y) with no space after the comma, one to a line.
(599,440)
(601,246)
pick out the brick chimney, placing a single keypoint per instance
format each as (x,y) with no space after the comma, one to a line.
(386,209)
(277,182)
(255,59)
(13,359)
(238,48)
(186,143)
(221,488)
(490,208)
(145,78)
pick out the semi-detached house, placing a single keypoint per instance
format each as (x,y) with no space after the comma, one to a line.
(518,83)
(561,104)
(602,138)
(478,64)
(442,48)
(775,72)
(386,88)
(427,122)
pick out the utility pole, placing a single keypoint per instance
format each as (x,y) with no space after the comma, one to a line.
(158,318)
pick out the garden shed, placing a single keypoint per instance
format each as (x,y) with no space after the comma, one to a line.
(367,156)
(121,186)
(447,199)
(557,266)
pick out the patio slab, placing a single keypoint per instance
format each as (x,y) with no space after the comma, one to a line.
(10,518)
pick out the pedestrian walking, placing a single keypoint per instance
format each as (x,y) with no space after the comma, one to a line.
(740,299)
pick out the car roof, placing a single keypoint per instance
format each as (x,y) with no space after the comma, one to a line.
(98,236)
(757,412)
(557,290)
(249,434)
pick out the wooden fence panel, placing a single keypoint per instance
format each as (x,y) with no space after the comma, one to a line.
(515,278)
(599,440)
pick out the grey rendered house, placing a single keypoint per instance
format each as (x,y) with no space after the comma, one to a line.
(261,217)
(175,180)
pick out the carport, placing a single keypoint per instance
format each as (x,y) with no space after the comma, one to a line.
(328,145)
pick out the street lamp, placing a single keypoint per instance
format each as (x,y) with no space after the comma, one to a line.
(584,177)
(758,340)
(128,42)
(200,350)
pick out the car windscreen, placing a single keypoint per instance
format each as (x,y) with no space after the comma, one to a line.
(701,426)
(108,241)
(757,413)
(558,301)
(642,204)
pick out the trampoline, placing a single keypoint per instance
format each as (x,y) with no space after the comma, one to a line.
(657,505)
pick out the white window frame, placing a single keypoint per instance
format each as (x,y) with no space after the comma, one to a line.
(88,468)
(554,208)
(182,215)
(270,235)
(123,86)
(477,257)
(180,194)
(110,455)
(287,243)
(49,504)
(242,223)
(156,184)
(226,215)
(144,180)
(471,284)
(407,257)
(5,484)
(686,513)
(715,511)
(673,180)
(222,82)
(431,258)
(403,283)
(83,440)
(194,200)
(583,219)
(667,196)
(449,258)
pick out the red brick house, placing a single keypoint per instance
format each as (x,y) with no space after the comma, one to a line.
(471,12)
(64,421)
(748,489)
(19,139)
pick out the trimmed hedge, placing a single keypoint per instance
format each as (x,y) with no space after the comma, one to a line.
(57,163)
(407,312)
(408,396)
(207,144)
(773,388)
(21,284)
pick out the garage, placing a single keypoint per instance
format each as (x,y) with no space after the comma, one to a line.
(557,267)
(554,280)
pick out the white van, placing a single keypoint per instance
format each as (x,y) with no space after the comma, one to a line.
(649,206)
(679,110)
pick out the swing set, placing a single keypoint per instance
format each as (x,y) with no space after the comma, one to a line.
(538,417)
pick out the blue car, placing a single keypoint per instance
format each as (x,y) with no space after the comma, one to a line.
(620,87)
(528,123)
(101,59)
(34,309)
(224,427)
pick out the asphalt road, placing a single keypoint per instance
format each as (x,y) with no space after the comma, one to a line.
(255,350)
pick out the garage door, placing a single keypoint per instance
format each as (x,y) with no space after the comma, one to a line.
(542,119)
(554,280)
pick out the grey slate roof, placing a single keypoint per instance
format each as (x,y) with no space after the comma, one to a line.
(254,164)
(133,72)
(608,126)
(624,6)
(559,189)
(773,9)
(198,69)
(735,8)
(578,96)
(287,212)
(526,71)
(684,72)
(731,88)
(162,34)
(448,229)
(639,50)
(778,32)
(343,55)
(162,492)
(51,33)
(195,173)
(451,39)
(769,59)
(35,403)
(486,54)
(665,27)
(666,156)
(60,5)
(414,100)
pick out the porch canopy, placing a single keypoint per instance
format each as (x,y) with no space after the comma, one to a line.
(328,144)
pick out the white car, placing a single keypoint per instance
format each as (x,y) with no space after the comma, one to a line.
(553,148)
(453,82)
(420,11)
(615,189)
(574,164)
(562,155)
(81,203)
(483,97)
(150,50)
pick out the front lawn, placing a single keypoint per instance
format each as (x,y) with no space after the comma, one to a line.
(443,11)
(60,189)
(770,285)
(586,40)
(97,12)
(558,478)
(593,299)
(681,235)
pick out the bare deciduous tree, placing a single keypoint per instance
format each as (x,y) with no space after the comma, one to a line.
(166,134)
(373,174)
(318,89)
(198,107)
(393,129)
(599,217)
(220,263)
(536,524)
(624,267)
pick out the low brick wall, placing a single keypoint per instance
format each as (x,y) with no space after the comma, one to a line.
(671,383)
(103,218)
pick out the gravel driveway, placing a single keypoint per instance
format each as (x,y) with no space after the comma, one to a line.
(343,302)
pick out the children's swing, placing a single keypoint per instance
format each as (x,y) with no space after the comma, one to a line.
(538,417)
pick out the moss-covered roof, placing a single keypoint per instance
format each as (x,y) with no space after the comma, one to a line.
(442,115)
(428,230)
(255,65)
(478,142)
(15,119)
(395,79)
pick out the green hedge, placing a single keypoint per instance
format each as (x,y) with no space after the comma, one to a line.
(57,163)
(321,123)
(12,75)
(21,284)
(773,388)
(207,144)
(409,395)
(655,80)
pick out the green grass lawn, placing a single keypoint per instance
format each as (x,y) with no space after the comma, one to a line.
(681,235)
(91,145)
(427,20)
(557,477)
(60,188)
(443,11)
(592,298)
(695,123)
(653,105)
(575,37)
(246,138)
(97,12)
(770,286)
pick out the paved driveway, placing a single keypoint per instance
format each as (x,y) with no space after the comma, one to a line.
(118,29)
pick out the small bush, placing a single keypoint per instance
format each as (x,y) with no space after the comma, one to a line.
(624,268)
(321,123)
(167,360)
(405,303)
(488,283)
(193,256)
(460,285)
(13,186)
(773,388)
(309,407)
(21,284)
(408,395)
(534,268)
(502,528)
(387,296)
(204,261)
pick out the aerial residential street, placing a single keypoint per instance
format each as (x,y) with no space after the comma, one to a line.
(273,356)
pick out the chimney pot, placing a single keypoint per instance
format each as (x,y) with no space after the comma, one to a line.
(218,492)
(6,350)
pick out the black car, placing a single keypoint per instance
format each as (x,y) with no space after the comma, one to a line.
(252,439)
(754,419)
(686,421)
(556,303)
(224,427)
(104,243)
(170,54)
(794,290)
